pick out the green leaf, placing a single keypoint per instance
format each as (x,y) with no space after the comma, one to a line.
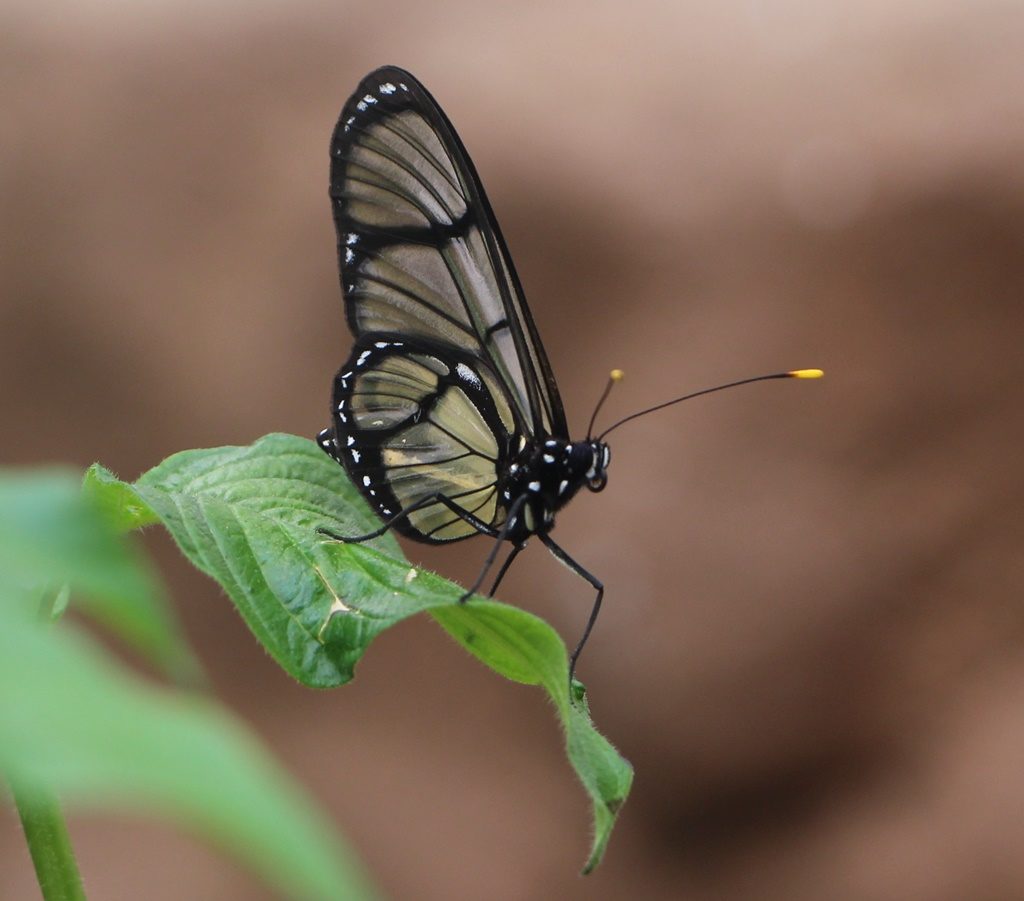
(247,516)
(523,648)
(120,505)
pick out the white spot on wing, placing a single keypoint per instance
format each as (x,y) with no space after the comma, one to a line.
(388,88)
(534,486)
(366,481)
(548,458)
(349,256)
(467,375)
(369,98)
(563,486)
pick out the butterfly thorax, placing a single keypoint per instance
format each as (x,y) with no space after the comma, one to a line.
(544,476)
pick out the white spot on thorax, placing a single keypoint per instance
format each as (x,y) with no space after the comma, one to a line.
(548,458)
(534,486)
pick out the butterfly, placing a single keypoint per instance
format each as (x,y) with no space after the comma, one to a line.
(447,415)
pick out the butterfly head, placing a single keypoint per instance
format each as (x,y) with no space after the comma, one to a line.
(597,470)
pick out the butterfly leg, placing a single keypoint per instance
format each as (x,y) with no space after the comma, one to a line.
(436,498)
(504,568)
(563,557)
(510,519)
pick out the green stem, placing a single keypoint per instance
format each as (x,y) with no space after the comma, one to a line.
(47,836)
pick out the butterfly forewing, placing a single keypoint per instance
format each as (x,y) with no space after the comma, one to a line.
(420,251)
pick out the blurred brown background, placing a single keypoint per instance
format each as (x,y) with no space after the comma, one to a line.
(812,643)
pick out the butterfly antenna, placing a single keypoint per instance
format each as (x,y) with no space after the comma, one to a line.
(792,374)
(614,376)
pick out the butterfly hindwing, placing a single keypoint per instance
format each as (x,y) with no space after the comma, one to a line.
(415,421)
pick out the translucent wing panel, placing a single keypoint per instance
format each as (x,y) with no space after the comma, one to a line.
(399,175)
(421,254)
(425,460)
(388,394)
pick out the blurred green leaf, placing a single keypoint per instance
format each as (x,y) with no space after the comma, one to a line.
(247,516)
(51,534)
(73,723)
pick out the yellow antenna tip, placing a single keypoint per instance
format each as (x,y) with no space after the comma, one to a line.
(616,375)
(806,373)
